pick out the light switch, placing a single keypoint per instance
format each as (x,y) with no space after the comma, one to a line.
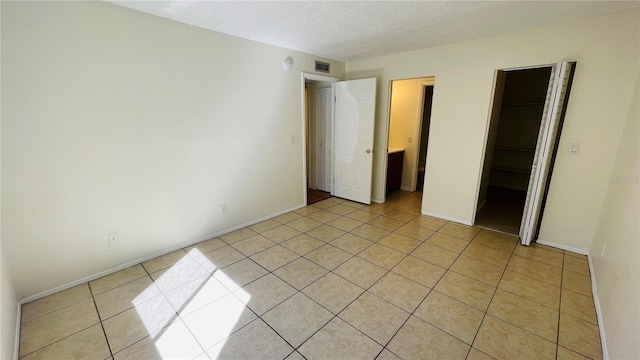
(574,149)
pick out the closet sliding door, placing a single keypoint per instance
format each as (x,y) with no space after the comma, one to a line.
(544,150)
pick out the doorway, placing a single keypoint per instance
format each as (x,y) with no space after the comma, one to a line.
(525,124)
(409,121)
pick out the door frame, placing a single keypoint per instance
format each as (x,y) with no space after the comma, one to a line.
(303,136)
(418,132)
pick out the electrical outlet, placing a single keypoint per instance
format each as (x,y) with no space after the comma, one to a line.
(113,239)
(223,209)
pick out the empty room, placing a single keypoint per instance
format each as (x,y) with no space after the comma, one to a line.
(319,180)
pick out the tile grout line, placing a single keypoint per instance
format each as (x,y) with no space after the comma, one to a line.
(104,332)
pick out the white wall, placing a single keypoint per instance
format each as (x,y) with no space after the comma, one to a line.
(404,123)
(606,51)
(617,273)
(114,120)
(8,309)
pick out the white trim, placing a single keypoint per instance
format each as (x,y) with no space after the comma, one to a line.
(149,257)
(377,201)
(562,247)
(16,341)
(596,302)
(448,218)
(531,67)
(407,189)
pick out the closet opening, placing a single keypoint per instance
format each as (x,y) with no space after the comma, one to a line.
(514,134)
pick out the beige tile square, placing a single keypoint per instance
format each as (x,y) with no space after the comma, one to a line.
(578,306)
(265,293)
(435,255)
(400,215)
(116,279)
(181,273)
(323,216)
(476,354)
(227,313)
(547,247)
(353,204)
(345,223)
(328,256)
(138,322)
(576,282)
(566,354)
(206,246)
(419,271)
(300,273)
(375,317)
(418,339)
(281,233)
(86,344)
(253,244)
(538,253)
(195,295)
(304,224)
(274,257)
(476,269)
(535,269)
(463,232)
(264,225)
(496,240)
(218,258)
(400,291)
(505,341)
(526,314)
(341,209)
(350,243)
(302,244)
(339,340)
(573,254)
(326,233)
(294,215)
(399,242)
(300,212)
(297,318)
(469,291)
(450,315)
(531,289)
(360,272)
(370,232)
(386,223)
(486,254)
(580,336)
(239,274)
(123,297)
(237,235)
(382,256)
(56,325)
(428,222)
(414,231)
(324,204)
(333,292)
(575,264)
(57,301)
(362,215)
(164,261)
(447,242)
(173,342)
(254,341)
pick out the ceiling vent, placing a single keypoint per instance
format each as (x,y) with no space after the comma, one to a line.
(322,67)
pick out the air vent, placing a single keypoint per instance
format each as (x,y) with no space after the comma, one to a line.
(322,66)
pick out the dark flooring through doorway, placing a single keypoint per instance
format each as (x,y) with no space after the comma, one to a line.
(313,196)
(503,210)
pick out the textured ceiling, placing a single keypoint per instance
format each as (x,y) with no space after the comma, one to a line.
(352,30)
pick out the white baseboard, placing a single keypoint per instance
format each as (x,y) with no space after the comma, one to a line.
(596,302)
(448,218)
(377,201)
(563,247)
(16,341)
(148,257)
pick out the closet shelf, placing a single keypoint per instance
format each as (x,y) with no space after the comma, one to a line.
(509,148)
(504,169)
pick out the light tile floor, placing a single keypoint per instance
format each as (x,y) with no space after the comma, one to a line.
(335,280)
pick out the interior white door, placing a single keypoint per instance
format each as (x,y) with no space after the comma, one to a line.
(353,139)
(324,118)
(544,150)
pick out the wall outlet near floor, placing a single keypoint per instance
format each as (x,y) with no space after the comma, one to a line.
(113,239)
(223,209)
(604,247)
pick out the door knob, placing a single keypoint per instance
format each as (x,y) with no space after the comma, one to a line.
(368,151)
